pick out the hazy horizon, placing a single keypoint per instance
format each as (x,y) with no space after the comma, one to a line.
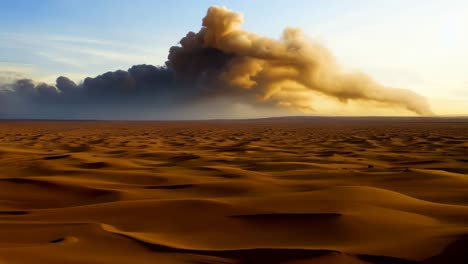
(286,118)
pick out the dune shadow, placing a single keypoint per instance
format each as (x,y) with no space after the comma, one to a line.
(57,157)
(170,187)
(14,212)
(375,259)
(94,165)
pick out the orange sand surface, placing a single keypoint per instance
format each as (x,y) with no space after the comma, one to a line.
(319,190)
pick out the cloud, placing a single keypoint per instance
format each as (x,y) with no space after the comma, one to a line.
(9,76)
(219,63)
(10,72)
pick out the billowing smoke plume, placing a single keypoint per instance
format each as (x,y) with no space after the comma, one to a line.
(220,61)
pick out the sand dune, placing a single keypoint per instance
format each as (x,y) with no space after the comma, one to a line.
(343,190)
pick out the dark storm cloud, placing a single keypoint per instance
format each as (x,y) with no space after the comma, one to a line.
(140,85)
(220,61)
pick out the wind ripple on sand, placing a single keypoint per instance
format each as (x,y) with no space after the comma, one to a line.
(329,191)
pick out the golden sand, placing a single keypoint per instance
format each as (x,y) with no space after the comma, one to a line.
(271,191)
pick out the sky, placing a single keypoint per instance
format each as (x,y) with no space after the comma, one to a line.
(420,45)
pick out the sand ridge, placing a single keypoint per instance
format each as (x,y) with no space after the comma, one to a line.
(271,191)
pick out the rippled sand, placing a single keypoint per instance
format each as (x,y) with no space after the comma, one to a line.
(320,190)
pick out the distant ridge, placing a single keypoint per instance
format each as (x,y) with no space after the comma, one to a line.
(317,118)
(351,118)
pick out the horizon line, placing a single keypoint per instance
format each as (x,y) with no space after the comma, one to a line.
(284,118)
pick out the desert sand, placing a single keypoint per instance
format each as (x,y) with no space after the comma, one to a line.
(318,190)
